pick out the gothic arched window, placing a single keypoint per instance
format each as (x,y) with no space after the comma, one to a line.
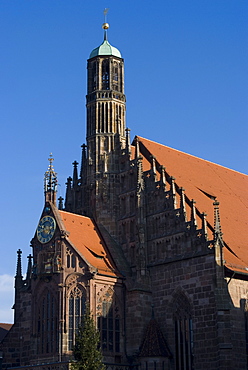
(71,259)
(115,76)
(183,333)
(109,323)
(105,75)
(94,70)
(47,324)
(76,311)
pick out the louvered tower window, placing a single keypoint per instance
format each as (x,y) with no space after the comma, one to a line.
(115,77)
(105,75)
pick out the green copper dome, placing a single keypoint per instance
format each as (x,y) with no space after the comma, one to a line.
(105,49)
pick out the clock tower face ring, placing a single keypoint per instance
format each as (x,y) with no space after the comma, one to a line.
(46,229)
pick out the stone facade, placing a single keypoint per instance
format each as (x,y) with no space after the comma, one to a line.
(160,258)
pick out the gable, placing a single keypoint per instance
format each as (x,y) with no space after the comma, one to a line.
(204,181)
(87,241)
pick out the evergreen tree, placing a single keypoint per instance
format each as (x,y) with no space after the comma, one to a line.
(86,351)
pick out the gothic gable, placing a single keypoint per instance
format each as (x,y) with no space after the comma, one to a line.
(205,182)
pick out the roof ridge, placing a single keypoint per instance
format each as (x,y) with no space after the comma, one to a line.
(75,214)
(192,155)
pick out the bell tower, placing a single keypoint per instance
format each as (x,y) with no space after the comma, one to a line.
(106,108)
(95,192)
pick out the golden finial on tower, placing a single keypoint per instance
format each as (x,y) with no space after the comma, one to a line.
(105,25)
(51,159)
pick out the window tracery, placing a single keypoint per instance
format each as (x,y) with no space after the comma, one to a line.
(76,301)
(115,76)
(183,332)
(105,75)
(47,323)
(108,320)
(70,259)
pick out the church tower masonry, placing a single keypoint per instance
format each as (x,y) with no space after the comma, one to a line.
(94,193)
(105,105)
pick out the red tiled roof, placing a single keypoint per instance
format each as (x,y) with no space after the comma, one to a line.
(86,239)
(230,188)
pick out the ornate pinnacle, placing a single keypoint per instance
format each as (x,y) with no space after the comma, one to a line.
(19,264)
(128,148)
(182,203)
(162,176)
(50,181)
(50,178)
(217,225)
(173,191)
(29,269)
(193,214)
(83,161)
(204,225)
(137,148)
(75,173)
(60,203)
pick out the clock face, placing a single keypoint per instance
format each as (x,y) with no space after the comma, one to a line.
(46,229)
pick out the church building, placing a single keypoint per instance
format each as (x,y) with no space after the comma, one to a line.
(154,239)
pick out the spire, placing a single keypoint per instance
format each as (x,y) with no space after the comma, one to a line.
(137,148)
(19,265)
(162,177)
(105,48)
(193,214)
(68,196)
(128,148)
(140,179)
(75,174)
(18,277)
(105,25)
(83,162)
(204,225)
(173,191)
(50,182)
(153,165)
(217,226)
(60,207)
(29,268)
(19,284)
(182,203)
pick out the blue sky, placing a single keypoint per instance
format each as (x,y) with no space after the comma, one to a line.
(185,81)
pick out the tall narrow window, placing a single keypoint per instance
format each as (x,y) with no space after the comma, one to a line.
(103,116)
(109,323)
(47,324)
(105,75)
(183,333)
(115,77)
(111,127)
(94,69)
(184,342)
(76,311)
(107,120)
